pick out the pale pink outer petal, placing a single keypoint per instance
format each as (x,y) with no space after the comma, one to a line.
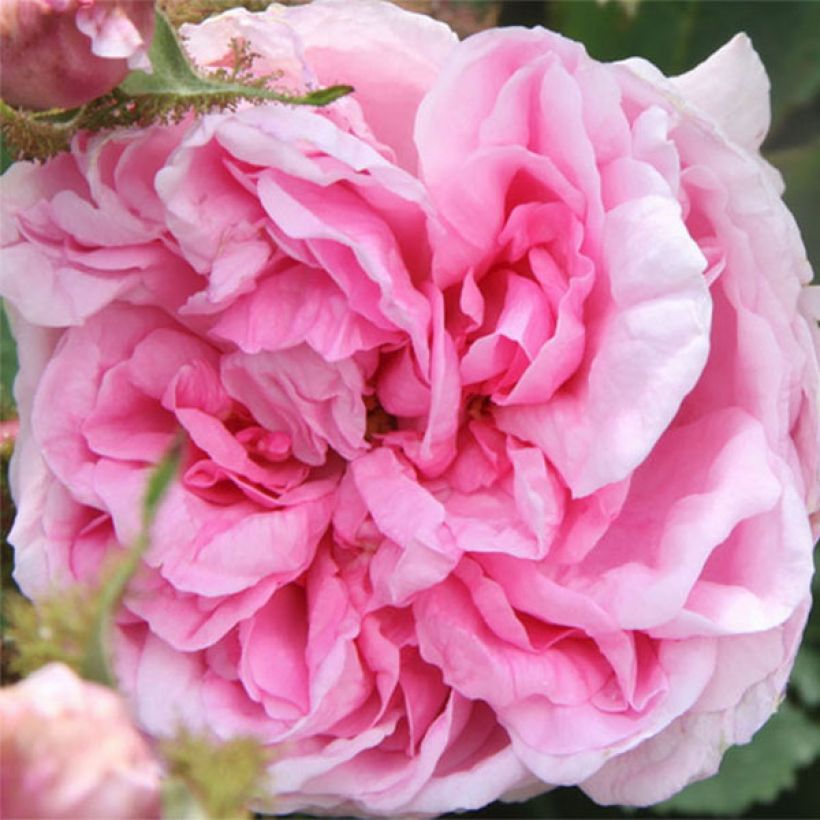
(765,279)
(688,664)
(395,788)
(729,712)
(27,274)
(732,90)
(29,477)
(188,622)
(697,498)
(25,184)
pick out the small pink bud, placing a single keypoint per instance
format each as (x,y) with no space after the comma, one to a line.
(69,750)
(9,430)
(63,53)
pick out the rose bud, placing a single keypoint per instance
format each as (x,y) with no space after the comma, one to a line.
(63,53)
(69,749)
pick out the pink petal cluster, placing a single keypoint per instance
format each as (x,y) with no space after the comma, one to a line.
(500,403)
(64,53)
(70,750)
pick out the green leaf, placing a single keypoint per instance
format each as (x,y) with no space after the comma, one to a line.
(158,483)
(806,676)
(5,156)
(173,75)
(755,773)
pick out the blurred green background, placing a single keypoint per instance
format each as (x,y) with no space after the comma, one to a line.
(778,774)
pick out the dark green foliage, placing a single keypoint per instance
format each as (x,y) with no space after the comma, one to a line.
(806,676)
(800,166)
(678,34)
(755,773)
(8,368)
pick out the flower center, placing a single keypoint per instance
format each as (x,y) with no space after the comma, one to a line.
(379,421)
(478,406)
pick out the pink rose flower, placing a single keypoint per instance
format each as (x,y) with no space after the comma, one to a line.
(500,400)
(63,53)
(69,750)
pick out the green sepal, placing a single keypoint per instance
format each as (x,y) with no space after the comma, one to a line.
(179,802)
(217,778)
